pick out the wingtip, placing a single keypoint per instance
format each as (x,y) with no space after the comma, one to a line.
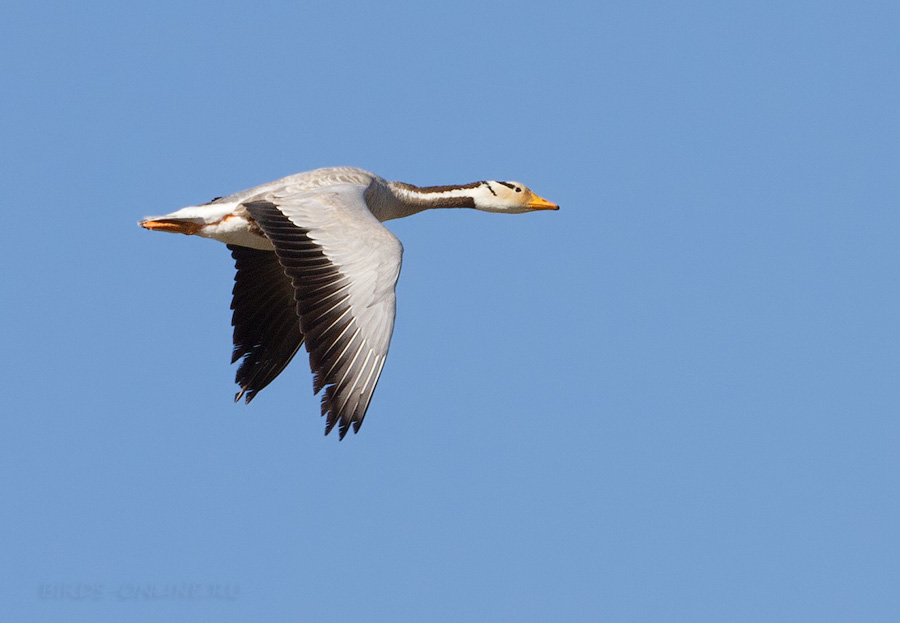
(329,425)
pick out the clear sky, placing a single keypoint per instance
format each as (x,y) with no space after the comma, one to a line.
(676,399)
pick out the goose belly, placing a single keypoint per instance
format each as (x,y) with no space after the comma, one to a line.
(238,230)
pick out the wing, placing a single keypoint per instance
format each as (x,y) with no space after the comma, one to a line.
(266,327)
(343,265)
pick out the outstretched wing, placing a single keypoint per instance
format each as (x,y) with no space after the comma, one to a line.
(266,327)
(343,265)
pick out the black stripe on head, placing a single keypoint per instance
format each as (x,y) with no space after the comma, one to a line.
(518,189)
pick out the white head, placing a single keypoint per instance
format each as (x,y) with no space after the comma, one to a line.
(509,197)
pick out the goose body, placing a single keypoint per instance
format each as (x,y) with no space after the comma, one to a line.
(315,266)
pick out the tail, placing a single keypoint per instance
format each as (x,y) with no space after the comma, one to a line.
(189,220)
(172,225)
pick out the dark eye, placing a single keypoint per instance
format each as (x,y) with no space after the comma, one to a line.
(518,190)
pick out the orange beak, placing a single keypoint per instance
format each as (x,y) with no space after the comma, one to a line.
(539,203)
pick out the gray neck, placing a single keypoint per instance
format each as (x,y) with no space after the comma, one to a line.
(390,200)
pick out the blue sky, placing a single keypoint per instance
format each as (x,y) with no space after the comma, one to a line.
(676,399)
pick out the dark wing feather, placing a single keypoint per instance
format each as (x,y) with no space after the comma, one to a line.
(266,326)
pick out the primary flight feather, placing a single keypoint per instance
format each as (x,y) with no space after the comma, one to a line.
(315,266)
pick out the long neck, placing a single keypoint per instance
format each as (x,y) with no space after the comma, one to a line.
(398,199)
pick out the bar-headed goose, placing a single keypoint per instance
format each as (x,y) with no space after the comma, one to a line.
(315,265)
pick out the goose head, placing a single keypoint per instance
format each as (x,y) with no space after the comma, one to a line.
(508,197)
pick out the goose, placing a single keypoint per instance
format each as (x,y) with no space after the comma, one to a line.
(315,266)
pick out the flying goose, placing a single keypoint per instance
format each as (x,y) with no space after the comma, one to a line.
(316,266)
